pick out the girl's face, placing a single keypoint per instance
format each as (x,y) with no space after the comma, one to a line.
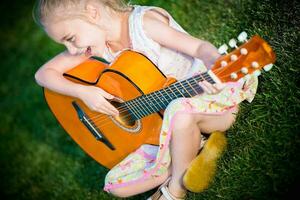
(79,36)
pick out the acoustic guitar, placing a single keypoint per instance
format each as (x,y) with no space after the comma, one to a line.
(142,92)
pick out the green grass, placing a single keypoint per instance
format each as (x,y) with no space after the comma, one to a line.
(38,160)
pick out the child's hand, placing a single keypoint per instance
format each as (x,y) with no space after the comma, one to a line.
(95,99)
(211,88)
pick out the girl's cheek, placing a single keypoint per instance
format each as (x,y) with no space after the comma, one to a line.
(78,43)
(81,42)
(99,51)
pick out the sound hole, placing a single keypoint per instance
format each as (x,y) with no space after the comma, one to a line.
(124,117)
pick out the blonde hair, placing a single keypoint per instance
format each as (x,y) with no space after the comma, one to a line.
(43,9)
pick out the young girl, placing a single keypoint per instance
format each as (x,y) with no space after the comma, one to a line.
(104,28)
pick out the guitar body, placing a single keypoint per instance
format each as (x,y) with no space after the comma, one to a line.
(123,79)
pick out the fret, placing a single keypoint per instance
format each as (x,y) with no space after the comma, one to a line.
(139,105)
(181,90)
(185,87)
(159,91)
(178,90)
(173,95)
(162,101)
(192,87)
(138,108)
(158,97)
(198,78)
(175,91)
(188,87)
(131,109)
(167,94)
(164,98)
(209,78)
(197,87)
(204,76)
(145,107)
(188,82)
(151,101)
(147,104)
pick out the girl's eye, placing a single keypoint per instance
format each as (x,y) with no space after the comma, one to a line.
(71,39)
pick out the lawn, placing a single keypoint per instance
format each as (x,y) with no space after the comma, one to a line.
(38,160)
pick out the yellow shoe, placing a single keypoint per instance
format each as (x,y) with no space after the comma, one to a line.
(203,168)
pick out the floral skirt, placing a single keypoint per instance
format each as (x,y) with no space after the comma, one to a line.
(153,161)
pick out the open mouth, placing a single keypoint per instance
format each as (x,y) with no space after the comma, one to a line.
(88,51)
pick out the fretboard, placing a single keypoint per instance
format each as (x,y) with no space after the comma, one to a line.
(147,104)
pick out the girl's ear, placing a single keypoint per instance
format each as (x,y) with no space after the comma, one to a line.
(92,12)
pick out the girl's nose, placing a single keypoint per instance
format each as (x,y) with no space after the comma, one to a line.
(72,50)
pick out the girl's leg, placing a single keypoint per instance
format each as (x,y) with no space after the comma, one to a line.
(141,187)
(210,123)
(186,139)
(185,142)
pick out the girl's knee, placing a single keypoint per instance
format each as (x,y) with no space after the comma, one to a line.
(227,125)
(217,123)
(120,192)
(184,121)
(231,117)
(231,121)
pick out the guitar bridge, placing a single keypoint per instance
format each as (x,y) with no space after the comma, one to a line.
(91,126)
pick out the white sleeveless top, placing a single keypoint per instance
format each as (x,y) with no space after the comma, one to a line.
(172,63)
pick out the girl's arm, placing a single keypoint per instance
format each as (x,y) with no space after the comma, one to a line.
(50,75)
(174,39)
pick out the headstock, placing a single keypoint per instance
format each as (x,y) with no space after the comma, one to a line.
(249,58)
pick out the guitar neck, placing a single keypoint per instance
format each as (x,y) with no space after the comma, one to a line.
(147,104)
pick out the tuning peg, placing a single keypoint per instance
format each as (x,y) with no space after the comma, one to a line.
(243,37)
(233,75)
(224,63)
(233,57)
(268,67)
(223,49)
(244,70)
(255,65)
(244,51)
(232,43)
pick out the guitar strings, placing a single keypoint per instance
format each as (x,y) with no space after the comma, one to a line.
(120,108)
(156,104)
(139,104)
(101,116)
(123,108)
(160,95)
(104,117)
(107,119)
